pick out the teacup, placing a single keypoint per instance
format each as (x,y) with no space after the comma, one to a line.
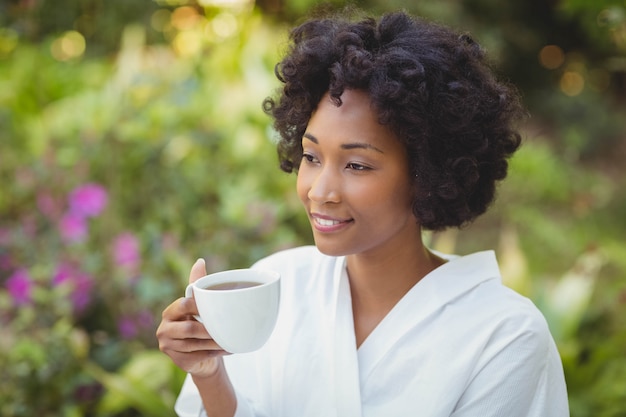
(238,307)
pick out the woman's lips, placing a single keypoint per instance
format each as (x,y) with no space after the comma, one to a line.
(327,224)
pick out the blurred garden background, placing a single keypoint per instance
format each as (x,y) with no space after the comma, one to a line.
(132,142)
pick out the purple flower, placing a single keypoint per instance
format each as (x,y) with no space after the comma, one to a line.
(126,251)
(20,285)
(81,283)
(88,200)
(47,205)
(73,228)
(5,262)
(5,236)
(88,393)
(29,226)
(81,296)
(64,273)
(145,319)
(127,328)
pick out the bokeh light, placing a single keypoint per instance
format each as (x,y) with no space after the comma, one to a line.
(185,18)
(599,79)
(171,2)
(572,83)
(69,45)
(234,4)
(551,56)
(8,41)
(187,43)
(224,25)
(160,20)
(614,19)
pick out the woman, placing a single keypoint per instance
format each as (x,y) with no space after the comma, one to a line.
(394,126)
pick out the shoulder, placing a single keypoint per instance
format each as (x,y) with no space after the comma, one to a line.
(509,305)
(511,358)
(479,300)
(510,322)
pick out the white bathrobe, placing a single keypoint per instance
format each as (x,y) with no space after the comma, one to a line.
(458,344)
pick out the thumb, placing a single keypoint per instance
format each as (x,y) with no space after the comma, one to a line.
(198,270)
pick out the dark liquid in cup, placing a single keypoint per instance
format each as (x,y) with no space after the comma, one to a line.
(235,285)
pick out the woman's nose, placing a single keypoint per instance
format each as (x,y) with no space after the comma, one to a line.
(324,187)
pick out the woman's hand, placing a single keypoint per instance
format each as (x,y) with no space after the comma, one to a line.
(184,339)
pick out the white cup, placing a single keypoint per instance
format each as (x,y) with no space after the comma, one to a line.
(239,320)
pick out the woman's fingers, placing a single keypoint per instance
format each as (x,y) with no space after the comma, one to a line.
(181,309)
(189,345)
(198,270)
(186,340)
(202,362)
(182,329)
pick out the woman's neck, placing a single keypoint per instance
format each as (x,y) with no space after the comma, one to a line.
(393,271)
(378,282)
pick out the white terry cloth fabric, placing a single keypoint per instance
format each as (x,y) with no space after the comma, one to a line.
(459,344)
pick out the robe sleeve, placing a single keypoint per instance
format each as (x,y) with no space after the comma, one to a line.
(520,375)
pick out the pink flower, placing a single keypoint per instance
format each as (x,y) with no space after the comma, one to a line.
(81,283)
(73,228)
(88,200)
(64,273)
(127,328)
(29,226)
(47,204)
(20,285)
(126,251)
(145,319)
(5,262)
(5,236)
(81,297)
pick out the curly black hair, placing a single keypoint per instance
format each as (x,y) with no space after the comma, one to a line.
(433,87)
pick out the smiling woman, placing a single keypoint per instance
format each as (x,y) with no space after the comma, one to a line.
(354,179)
(394,125)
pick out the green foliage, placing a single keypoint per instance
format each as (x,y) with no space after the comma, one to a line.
(177,141)
(555,202)
(603,20)
(100,22)
(148,383)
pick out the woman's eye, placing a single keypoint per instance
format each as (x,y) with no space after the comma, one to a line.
(357,167)
(308,157)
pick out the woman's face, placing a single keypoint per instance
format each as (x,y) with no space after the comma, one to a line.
(354,180)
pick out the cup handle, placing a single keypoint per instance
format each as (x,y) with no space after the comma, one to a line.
(189,294)
(189,291)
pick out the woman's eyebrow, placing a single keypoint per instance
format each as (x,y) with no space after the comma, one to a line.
(311,138)
(352,145)
(360,145)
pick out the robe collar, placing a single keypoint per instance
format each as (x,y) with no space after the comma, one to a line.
(438,288)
